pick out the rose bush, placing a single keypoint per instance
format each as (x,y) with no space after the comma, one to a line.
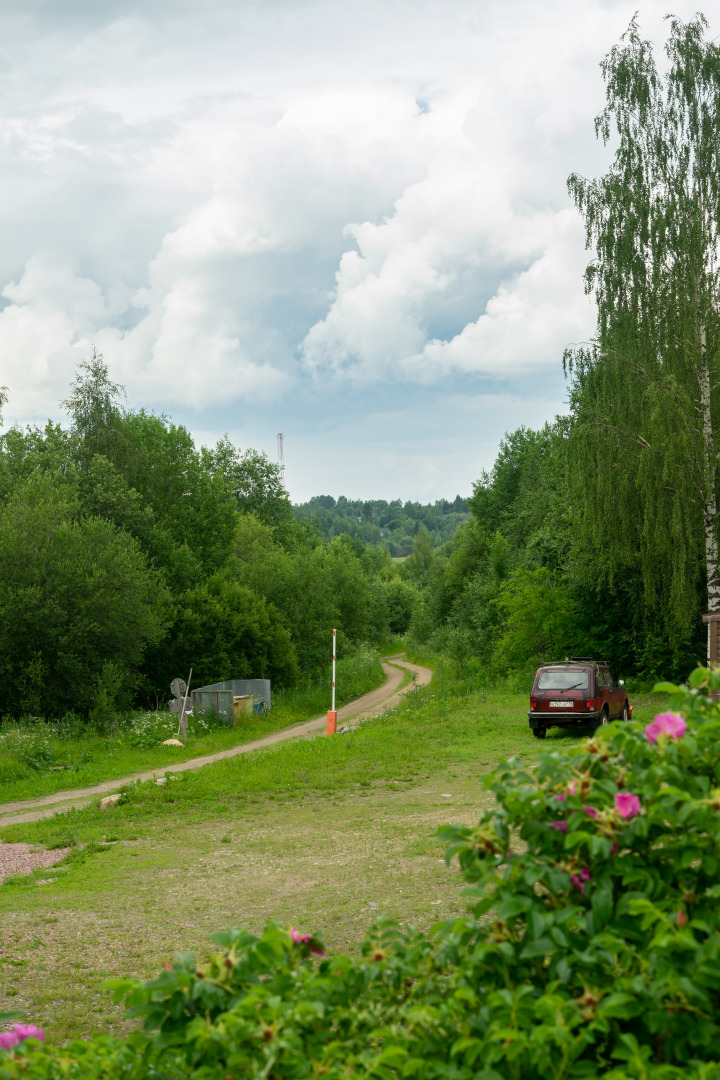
(592,947)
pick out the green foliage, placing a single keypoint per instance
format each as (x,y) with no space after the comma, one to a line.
(520,527)
(392,526)
(234,584)
(94,406)
(469,593)
(315,587)
(591,948)
(418,564)
(223,627)
(160,462)
(254,482)
(108,687)
(522,496)
(75,593)
(643,443)
(528,524)
(400,601)
(357,672)
(541,619)
(150,729)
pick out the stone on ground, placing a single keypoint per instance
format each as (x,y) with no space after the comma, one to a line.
(110,800)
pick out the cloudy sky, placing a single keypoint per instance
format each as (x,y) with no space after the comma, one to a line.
(344,221)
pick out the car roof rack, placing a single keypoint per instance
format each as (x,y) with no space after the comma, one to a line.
(575,660)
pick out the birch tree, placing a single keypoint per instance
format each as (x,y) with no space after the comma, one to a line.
(645,393)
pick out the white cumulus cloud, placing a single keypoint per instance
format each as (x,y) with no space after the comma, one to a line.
(287,210)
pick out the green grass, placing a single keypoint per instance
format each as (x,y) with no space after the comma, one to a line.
(442,725)
(42,758)
(392,645)
(322,834)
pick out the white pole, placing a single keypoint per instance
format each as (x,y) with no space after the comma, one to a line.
(333,686)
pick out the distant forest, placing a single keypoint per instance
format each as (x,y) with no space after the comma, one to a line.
(392,525)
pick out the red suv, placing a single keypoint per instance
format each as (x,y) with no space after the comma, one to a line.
(575,691)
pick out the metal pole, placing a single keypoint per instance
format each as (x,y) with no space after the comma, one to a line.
(332,715)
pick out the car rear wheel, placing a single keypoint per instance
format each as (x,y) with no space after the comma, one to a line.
(625,713)
(603,720)
(539,732)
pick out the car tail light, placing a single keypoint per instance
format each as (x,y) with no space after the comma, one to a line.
(590,704)
(533,703)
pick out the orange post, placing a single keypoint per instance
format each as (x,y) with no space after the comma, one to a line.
(331,722)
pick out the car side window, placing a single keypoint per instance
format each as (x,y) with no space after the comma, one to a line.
(610,678)
(602,679)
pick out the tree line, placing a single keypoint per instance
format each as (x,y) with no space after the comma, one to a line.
(392,525)
(529,578)
(128,554)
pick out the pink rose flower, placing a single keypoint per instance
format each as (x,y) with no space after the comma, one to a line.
(590,811)
(627,804)
(613,849)
(561,796)
(29,1031)
(306,939)
(681,918)
(579,880)
(8,1039)
(671,724)
(561,826)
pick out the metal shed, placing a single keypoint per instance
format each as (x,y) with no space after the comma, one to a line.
(220,697)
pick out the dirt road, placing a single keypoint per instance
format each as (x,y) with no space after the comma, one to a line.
(373,704)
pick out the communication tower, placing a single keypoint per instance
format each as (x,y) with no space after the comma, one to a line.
(281,458)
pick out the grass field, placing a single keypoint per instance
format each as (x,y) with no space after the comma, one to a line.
(322,834)
(40,758)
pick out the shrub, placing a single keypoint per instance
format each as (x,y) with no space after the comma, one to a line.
(225,631)
(75,593)
(28,746)
(401,599)
(592,948)
(108,686)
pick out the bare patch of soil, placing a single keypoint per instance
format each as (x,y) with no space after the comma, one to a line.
(23,859)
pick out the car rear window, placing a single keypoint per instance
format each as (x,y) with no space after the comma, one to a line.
(563,680)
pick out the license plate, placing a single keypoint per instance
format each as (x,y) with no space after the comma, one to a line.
(561,704)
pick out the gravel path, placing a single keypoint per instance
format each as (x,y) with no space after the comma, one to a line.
(22,859)
(369,705)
